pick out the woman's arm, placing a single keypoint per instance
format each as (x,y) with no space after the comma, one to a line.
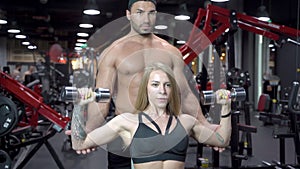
(99,136)
(220,136)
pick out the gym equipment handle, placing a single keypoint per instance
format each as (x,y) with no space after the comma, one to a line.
(71,94)
(208,97)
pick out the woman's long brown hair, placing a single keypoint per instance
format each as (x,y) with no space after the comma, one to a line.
(142,102)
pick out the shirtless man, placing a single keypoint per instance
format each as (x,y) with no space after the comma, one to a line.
(122,64)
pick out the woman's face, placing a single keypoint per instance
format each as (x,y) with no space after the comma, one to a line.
(159,88)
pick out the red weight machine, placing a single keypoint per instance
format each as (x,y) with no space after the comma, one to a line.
(216,22)
(35,108)
(224,20)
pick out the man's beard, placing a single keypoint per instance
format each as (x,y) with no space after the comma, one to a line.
(143,33)
(146,34)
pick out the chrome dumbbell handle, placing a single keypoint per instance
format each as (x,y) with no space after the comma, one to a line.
(71,94)
(209,97)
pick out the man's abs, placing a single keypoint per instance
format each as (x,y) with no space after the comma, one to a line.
(123,103)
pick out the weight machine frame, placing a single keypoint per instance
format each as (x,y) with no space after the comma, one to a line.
(218,23)
(34,101)
(229,21)
(36,106)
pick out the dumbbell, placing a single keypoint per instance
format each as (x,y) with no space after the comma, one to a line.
(71,94)
(208,97)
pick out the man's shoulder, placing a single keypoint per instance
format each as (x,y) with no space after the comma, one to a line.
(121,44)
(165,44)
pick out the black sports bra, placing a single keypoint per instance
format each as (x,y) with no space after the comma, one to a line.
(148,145)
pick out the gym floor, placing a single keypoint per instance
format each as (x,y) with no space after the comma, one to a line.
(265,148)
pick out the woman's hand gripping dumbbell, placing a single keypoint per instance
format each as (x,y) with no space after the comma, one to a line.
(84,95)
(210,97)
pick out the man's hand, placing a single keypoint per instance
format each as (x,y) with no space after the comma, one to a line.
(86,151)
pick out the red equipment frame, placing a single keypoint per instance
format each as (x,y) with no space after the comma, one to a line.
(200,39)
(33,101)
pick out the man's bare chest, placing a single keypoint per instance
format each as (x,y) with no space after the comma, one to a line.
(135,61)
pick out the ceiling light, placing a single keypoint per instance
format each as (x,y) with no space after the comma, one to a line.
(81,40)
(85,22)
(25,43)
(20,36)
(78,48)
(182,17)
(83,34)
(219,0)
(161,27)
(91,8)
(262,18)
(91,12)
(180,42)
(85,25)
(262,13)
(183,13)
(79,44)
(31,47)
(2,21)
(13,30)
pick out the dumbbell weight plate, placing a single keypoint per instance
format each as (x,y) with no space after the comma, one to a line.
(238,94)
(207,97)
(5,161)
(8,115)
(69,94)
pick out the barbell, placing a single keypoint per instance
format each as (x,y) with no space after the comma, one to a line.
(208,97)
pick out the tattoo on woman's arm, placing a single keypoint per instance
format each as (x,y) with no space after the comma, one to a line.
(220,138)
(78,123)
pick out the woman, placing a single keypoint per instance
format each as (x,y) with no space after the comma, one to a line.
(157,133)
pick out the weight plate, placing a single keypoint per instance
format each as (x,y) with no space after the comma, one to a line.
(8,115)
(5,161)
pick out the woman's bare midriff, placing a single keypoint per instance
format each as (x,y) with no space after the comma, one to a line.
(160,165)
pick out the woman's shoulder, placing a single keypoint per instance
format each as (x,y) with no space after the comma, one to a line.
(128,117)
(184,116)
(187,119)
(127,121)
(128,114)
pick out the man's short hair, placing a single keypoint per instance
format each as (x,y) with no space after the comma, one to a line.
(131,2)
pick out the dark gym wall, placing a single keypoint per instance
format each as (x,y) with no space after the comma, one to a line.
(288,57)
(248,60)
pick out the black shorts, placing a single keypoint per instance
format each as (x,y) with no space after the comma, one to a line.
(117,157)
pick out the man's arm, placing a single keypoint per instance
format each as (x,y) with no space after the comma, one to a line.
(190,103)
(106,78)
